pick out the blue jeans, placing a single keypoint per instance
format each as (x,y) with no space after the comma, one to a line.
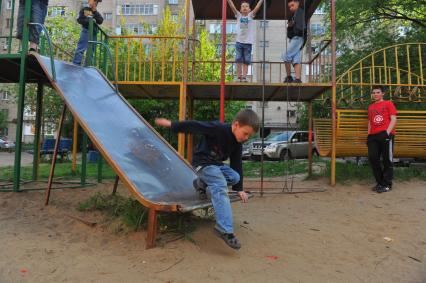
(38,15)
(217,179)
(293,51)
(243,53)
(82,46)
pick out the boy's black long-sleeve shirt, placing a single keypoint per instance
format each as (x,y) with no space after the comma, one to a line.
(86,12)
(217,144)
(299,25)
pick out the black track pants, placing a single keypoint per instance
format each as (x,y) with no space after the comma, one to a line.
(380,145)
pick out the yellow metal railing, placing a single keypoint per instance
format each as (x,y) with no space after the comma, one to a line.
(147,58)
(399,67)
(151,58)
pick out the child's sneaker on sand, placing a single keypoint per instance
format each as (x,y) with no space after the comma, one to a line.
(228,238)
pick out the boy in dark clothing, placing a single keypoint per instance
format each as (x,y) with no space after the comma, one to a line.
(381,132)
(219,142)
(89,10)
(296,32)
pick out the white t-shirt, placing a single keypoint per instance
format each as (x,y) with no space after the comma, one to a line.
(245,28)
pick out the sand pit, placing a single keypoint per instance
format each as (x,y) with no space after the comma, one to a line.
(346,234)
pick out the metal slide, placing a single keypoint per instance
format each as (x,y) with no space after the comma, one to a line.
(150,168)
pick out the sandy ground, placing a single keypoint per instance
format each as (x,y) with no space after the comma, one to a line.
(333,236)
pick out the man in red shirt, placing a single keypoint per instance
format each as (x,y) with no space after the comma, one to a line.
(381,132)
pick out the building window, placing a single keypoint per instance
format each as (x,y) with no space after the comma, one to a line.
(56,11)
(4,132)
(139,29)
(231,28)
(175,17)
(317,29)
(264,43)
(4,95)
(173,2)
(291,113)
(8,23)
(319,11)
(9,4)
(140,9)
(264,24)
(107,16)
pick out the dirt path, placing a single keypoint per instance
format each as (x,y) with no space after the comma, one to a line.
(346,234)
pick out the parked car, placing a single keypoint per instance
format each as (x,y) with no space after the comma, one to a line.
(5,144)
(289,144)
(247,150)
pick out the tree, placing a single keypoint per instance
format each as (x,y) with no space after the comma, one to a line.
(366,25)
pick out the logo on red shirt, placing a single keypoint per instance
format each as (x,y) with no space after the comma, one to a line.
(378,119)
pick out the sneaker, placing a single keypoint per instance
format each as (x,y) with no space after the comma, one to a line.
(288,79)
(383,189)
(238,79)
(297,81)
(244,80)
(374,189)
(201,188)
(228,238)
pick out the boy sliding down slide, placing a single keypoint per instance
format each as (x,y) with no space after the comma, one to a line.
(219,142)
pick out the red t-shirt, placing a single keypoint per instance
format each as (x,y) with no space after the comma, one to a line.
(379,116)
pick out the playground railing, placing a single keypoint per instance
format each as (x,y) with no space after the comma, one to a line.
(148,58)
(399,67)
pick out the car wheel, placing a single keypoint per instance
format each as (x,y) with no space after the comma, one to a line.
(285,154)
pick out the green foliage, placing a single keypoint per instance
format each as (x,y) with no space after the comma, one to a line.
(350,172)
(274,168)
(2,119)
(366,25)
(62,170)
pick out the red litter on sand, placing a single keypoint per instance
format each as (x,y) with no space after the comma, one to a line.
(23,270)
(271,257)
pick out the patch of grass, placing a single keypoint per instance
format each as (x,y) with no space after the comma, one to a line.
(346,172)
(134,215)
(62,170)
(274,168)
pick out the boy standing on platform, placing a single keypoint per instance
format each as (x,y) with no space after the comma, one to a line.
(88,10)
(296,32)
(381,133)
(245,36)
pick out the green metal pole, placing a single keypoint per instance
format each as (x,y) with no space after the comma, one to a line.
(39,115)
(83,159)
(21,99)
(42,46)
(89,52)
(84,141)
(12,18)
(100,163)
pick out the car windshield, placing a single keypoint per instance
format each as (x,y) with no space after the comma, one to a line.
(280,137)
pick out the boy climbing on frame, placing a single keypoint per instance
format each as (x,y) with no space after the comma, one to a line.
(245,36)
(219,142)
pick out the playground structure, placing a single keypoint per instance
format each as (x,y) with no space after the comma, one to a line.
(132,72)
(401,69)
